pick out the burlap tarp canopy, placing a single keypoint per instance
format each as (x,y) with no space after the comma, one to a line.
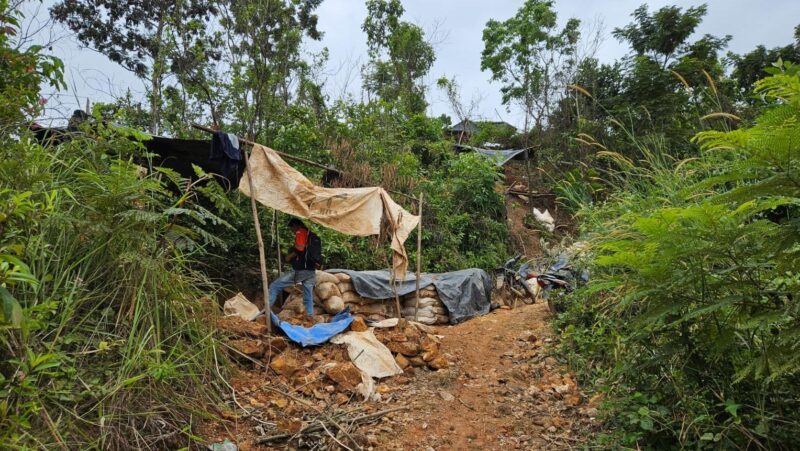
(352,211)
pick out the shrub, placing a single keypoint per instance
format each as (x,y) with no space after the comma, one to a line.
(690,324)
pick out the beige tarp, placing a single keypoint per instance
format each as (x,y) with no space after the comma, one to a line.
(353,211)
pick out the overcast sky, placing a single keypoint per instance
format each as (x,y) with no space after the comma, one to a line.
(458,25)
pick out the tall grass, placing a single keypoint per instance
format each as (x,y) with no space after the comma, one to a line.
(112,350)
(690,325)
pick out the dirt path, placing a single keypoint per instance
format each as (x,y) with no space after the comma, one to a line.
(502,391)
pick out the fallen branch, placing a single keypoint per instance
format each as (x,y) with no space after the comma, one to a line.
(310,429)
(307,404)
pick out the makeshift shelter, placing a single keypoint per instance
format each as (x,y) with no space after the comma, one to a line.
(353,211)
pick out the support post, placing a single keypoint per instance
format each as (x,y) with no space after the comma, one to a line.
(261,257)
(419,254)
(530,183)
(277,241)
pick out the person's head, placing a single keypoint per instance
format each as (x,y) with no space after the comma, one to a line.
(296,224)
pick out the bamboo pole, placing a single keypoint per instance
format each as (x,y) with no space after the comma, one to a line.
(277,241)
(419,254)
(261,255)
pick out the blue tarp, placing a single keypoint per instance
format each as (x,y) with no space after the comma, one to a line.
(318,333)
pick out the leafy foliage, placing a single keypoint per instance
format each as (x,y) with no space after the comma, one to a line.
(691,321)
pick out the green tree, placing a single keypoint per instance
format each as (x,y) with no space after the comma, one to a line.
(749,68)
(22,71)
(669,80)
(143,36)
(530,55)
(408,56)
(262,58)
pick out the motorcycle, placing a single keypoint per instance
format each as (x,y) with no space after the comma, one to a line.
(528,285)
(509,278)
(559,276)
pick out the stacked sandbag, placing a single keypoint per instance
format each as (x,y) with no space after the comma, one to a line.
(336,291)
(431,309)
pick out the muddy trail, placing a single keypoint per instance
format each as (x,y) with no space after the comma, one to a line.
(502,391)
(493,382)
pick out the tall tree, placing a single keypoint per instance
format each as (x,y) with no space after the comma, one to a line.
(669,79)
(263,55)
(749,68)
(400,56)
(135,34)
(530,56)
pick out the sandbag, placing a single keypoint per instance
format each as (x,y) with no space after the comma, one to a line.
(345,286)
(326,277)
(334,305)
(428,293)
(294,303)
(423,311)
(370,309)
(326,290)
(424,302)
(241,307)
(343,277)
(351,297)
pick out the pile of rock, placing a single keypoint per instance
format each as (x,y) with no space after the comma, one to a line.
(413,347)
(431,309)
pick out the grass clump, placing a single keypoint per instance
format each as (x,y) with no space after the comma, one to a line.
(103,342)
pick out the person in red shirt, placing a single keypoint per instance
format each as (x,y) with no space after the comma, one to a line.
(304,263)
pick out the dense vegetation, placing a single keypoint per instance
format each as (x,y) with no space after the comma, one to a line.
(678,162)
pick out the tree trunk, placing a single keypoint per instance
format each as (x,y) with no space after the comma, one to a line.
(157,73)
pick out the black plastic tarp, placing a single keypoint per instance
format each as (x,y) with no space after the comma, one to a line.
(466,293)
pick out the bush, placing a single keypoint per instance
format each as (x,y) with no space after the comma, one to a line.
(104,342)
(690,324)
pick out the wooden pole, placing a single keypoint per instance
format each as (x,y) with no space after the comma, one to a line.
(294,158)
(419,254)
(261,257)
(277,241)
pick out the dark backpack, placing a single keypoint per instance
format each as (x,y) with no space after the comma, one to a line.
(313,251)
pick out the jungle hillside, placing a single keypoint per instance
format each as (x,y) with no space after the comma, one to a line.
(672,175)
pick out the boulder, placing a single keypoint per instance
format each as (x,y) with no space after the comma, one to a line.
(402,361)
(429,343)
(407,348)
(248,347)
(285,365)
(346,375)
(439,363)
(278,344)
(416,362)
(430,356)
(358,325)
